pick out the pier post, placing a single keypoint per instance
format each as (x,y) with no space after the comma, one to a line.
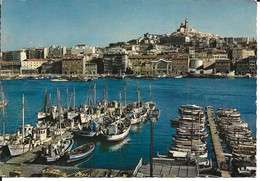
(151,150)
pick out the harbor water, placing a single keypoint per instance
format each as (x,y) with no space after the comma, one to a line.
(169,94)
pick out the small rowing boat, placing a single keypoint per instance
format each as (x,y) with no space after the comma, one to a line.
(80,152)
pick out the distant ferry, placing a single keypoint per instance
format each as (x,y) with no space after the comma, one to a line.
(59,80)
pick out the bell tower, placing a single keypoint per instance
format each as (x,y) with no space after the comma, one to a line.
(186,23)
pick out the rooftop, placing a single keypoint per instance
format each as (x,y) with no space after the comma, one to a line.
(36,60)
(73,58)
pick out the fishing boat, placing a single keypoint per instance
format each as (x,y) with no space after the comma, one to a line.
(21,145)
(80,152)
(117,130)
(246,170)
(56,151)
(191,155)
(92,128)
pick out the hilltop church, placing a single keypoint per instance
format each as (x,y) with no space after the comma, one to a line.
(185,27)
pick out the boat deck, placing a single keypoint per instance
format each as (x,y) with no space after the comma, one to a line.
(221,161)
(31,155)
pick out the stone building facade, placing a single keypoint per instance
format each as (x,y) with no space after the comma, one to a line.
(222,65)
(246,66)
(73,65)
(115,63)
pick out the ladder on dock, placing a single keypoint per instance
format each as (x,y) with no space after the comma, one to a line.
(216,143)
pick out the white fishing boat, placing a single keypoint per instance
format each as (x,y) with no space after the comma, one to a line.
(116,131)
(19,149)
(191,155)
(22,144)
(56,151)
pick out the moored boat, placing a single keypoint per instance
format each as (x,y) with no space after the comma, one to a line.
(117,131)
(80,152)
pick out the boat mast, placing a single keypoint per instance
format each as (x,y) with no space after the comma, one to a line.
(125,91)
(23,122)
(120,103)
(188,92)
(45,101)
(3,119)
(50,108)
(59,111)
(89,94)
(95,94)
(68,98)
(150,92)
(106,94)
(74,101)
(138,95)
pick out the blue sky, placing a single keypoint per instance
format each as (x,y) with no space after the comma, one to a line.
(28,23)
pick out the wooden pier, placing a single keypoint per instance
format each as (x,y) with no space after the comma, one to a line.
(37,170)
(221,161)
(164,167)
(33,154)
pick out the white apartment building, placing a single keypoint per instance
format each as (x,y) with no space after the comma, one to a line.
(57,51)
(29,66)
(83,50)
(14,56)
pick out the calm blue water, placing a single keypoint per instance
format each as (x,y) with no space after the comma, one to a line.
(169,94)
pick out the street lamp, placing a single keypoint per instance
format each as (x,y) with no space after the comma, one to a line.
(153,117)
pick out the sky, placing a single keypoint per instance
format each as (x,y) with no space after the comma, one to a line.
(29,23)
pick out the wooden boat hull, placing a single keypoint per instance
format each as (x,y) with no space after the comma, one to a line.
(77,157)
(86,134)
(18,149)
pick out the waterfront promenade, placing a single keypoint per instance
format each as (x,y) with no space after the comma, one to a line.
(221,161)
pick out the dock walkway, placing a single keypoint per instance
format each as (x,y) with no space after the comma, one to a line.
(33,154)
(163,167)
(221,161)
(29,170)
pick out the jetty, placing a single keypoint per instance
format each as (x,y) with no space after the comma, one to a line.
(33,154)
(165,167)
(38,170)
(221,161)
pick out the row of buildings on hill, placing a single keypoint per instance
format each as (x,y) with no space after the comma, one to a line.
(182,51)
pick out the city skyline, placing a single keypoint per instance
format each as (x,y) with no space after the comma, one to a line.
(103,22)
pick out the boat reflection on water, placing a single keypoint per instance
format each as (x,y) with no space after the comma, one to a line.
(136,127)
(120,144)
